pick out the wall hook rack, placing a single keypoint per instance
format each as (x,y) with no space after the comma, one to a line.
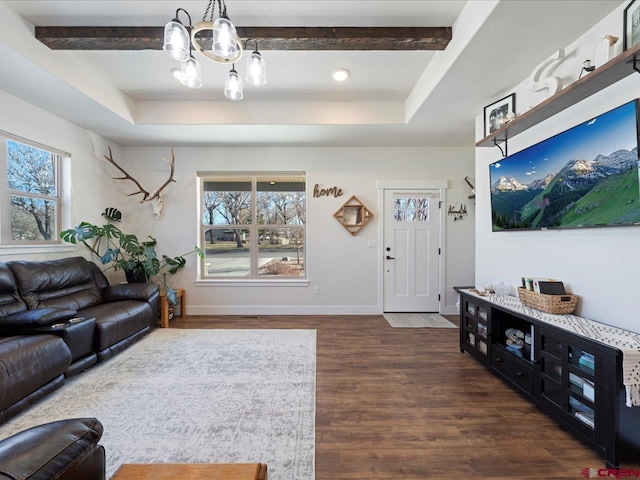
(457,214)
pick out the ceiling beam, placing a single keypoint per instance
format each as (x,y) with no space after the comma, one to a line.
(269,38)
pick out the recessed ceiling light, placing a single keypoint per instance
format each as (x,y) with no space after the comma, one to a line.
(340,75)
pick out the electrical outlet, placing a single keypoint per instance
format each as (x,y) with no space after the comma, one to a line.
(372,244)
(316,290)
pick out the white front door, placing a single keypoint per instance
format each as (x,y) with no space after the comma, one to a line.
(411,250)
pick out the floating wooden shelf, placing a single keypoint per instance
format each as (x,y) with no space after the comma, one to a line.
(611,72)
(353,215)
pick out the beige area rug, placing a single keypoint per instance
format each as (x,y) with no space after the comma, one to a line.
(417,320)
(199,396)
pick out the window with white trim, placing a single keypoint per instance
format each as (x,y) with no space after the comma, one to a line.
(30,198)
(253,225)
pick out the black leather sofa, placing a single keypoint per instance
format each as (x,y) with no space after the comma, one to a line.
(58,318)
(63,450)
(31,367)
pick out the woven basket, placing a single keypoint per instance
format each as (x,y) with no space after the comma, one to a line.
(557,304)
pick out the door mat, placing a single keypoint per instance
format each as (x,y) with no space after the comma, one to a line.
(417,320)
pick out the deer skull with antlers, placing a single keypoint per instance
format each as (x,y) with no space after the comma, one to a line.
(156,197)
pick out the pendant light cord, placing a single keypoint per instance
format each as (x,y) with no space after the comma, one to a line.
(206,12)
(211,8)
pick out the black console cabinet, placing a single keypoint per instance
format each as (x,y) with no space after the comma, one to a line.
(573,379)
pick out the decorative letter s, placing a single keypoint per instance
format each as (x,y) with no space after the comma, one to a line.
(540,78)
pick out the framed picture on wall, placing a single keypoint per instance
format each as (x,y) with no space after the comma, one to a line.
(632,24)
(496,114)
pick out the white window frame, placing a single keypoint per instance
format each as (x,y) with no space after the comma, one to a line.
(61,198)
(253,227)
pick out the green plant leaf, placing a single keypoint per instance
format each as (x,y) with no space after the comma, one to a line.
(110,231)
(130,244)
(151,266)
(176,263)
(149,251)
(110,255)
(112,214)
(132,265)
(82,232)
(172,295)
(169,260)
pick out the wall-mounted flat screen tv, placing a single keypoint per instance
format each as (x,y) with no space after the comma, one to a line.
(586,176)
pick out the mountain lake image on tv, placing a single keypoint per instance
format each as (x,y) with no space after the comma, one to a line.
(586,176)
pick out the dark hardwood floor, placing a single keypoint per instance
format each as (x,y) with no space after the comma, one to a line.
(396,403)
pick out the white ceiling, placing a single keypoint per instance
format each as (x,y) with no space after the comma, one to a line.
(392,98)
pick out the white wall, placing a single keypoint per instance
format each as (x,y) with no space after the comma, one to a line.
(341,265)
(599,264)
(91,188)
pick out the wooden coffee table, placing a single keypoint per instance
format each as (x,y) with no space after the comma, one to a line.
(192,471)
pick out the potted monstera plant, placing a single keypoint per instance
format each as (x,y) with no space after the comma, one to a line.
(124,251)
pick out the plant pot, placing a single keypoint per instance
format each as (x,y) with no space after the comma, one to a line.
(135,276)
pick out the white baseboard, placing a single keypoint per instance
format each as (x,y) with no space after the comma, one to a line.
(295,310)
(283,310)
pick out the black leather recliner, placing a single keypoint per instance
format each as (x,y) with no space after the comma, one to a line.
(31,366)
(63,450)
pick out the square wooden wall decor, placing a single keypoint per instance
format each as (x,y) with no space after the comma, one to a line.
(353,215)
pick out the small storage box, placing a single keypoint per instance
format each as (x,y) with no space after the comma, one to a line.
(556,304)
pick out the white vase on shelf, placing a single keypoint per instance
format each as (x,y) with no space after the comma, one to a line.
(605,51)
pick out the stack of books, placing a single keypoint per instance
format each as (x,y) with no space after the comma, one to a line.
(583,386)
(582,412)
(587,361)
(586,417)
(482,329)
(548,286)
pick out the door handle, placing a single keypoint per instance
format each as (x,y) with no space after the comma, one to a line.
(390,258)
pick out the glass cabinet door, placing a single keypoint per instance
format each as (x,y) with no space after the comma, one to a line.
(582,359)
(581,385)
(567,379)
(476,328)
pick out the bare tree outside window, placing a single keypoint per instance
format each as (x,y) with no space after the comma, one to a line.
(210,203)
(281,208)
(254,226)
(235,208)
(33,190)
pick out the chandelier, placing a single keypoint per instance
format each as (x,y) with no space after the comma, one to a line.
(215,40)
